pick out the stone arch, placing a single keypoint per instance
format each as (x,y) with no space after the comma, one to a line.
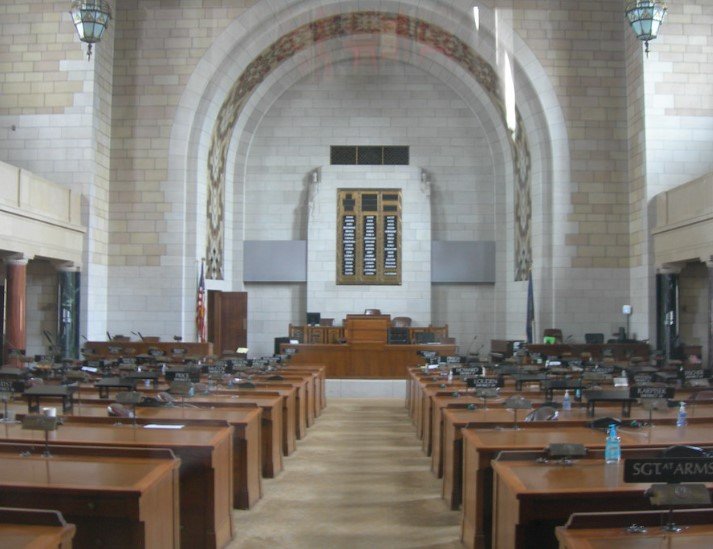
(235,50)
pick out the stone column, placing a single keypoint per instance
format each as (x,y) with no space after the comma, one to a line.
(709,264)
(15,309)
(68,280)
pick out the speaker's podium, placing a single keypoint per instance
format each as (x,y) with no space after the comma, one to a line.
(366,352)
(367,328)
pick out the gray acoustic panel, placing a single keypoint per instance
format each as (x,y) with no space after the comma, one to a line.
(275,261)
(463,262)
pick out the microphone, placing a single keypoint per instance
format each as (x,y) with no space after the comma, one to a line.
(568,338)
(108,336)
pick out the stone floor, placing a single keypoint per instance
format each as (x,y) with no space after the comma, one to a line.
(358,480)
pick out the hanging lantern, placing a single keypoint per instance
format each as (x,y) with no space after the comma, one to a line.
(645,18)
(91,18)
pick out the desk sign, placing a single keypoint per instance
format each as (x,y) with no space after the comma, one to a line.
(517,402)
(40,422)
(182,388)
(483,382)
(690,375)
(128,397)
(671,495)
(669,470)
(566,450)
(651,392)
(467,373)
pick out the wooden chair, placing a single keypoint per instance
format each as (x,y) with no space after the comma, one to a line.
(401,321)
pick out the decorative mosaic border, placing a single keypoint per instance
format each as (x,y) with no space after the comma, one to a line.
(339,26)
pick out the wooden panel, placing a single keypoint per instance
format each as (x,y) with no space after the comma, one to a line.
(367,328)
(364,360)
(227,320)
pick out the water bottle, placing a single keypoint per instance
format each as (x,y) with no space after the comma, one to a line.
(450,375)
(682,418)
(612,449)
(566,402)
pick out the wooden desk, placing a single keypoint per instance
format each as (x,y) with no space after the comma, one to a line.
(205,470)
(364,360)
(247,464)
(619,351)
(290,409)
(272,421)
(530,499)
(480,446)
(318,372)
(34,529)
(113,501)
(304,396)
(607,530)
(173,351)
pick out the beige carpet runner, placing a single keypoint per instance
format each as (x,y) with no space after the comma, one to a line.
(358,480)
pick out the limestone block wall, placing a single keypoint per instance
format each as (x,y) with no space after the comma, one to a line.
(369,102)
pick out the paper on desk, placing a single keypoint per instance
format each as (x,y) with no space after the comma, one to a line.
(162,426)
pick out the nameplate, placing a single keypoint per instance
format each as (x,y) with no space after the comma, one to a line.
(6,387)
(40,422)
(651,392)
(687,375)
(182,388)
(518,403)
(128,397)
(668,470)
(216,369)
(453,360)
(672,495)
(182,375)
(643,378)
(565,450)
(156,352)
(469,372)
(482,382)
(179,351)
(486,393)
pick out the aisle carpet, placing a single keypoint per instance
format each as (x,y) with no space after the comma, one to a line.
(358,480)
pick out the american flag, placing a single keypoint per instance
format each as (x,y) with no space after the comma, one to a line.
(200,309)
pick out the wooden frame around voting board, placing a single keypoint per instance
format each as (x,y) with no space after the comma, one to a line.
(369,236)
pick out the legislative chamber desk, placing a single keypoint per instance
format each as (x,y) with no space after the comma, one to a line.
(114,500)
(455,419)
(531,499)
(272,419)
(172,351)
(205,452)
(618,351)
(363,360)
(609,530)
(247,468)
(34,529)
(481,446)
(292,407)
